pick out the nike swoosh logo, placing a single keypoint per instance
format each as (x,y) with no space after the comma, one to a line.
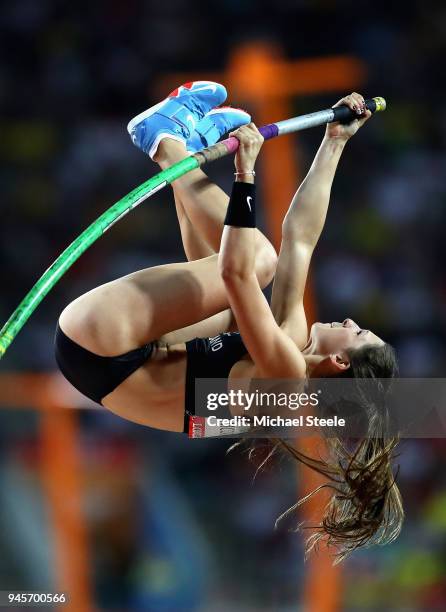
(249,203)
(213,88)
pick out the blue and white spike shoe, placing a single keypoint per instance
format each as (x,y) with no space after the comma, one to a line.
(214,125)
(177,116)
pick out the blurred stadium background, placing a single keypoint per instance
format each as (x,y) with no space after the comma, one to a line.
(143,520)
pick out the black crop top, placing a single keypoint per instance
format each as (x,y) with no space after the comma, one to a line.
(210,358)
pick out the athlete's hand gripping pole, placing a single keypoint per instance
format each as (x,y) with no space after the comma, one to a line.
(47,281)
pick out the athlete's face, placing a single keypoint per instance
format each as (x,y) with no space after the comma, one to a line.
(337,338)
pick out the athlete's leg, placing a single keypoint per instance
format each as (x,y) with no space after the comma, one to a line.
(203,202)
(188,117)
(195,246)
(146,305)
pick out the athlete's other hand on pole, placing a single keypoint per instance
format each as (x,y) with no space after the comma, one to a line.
(251,141)
(339,131)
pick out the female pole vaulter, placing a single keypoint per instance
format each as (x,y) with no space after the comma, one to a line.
(136,344)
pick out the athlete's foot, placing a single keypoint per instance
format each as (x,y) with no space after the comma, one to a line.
(209,131)
(214,125)
(177,116)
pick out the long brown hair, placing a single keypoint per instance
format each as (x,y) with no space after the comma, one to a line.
(366,506)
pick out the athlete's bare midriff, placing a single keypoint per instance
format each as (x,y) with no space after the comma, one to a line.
(154,395)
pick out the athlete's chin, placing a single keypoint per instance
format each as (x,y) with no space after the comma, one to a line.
(319,328)
(319,337)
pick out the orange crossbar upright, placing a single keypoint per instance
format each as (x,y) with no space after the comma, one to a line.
(279,179)
(61,466)
(61,471)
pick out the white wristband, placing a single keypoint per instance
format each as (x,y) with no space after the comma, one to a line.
(242,173)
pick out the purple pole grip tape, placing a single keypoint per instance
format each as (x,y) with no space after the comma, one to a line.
(269,131)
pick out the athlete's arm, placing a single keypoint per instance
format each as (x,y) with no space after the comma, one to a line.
(304,222)
(273,352)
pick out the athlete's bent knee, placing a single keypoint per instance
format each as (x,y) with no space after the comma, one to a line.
(95,327)
(79,323)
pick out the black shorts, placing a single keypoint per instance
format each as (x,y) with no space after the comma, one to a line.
(93,375)
(96,376)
